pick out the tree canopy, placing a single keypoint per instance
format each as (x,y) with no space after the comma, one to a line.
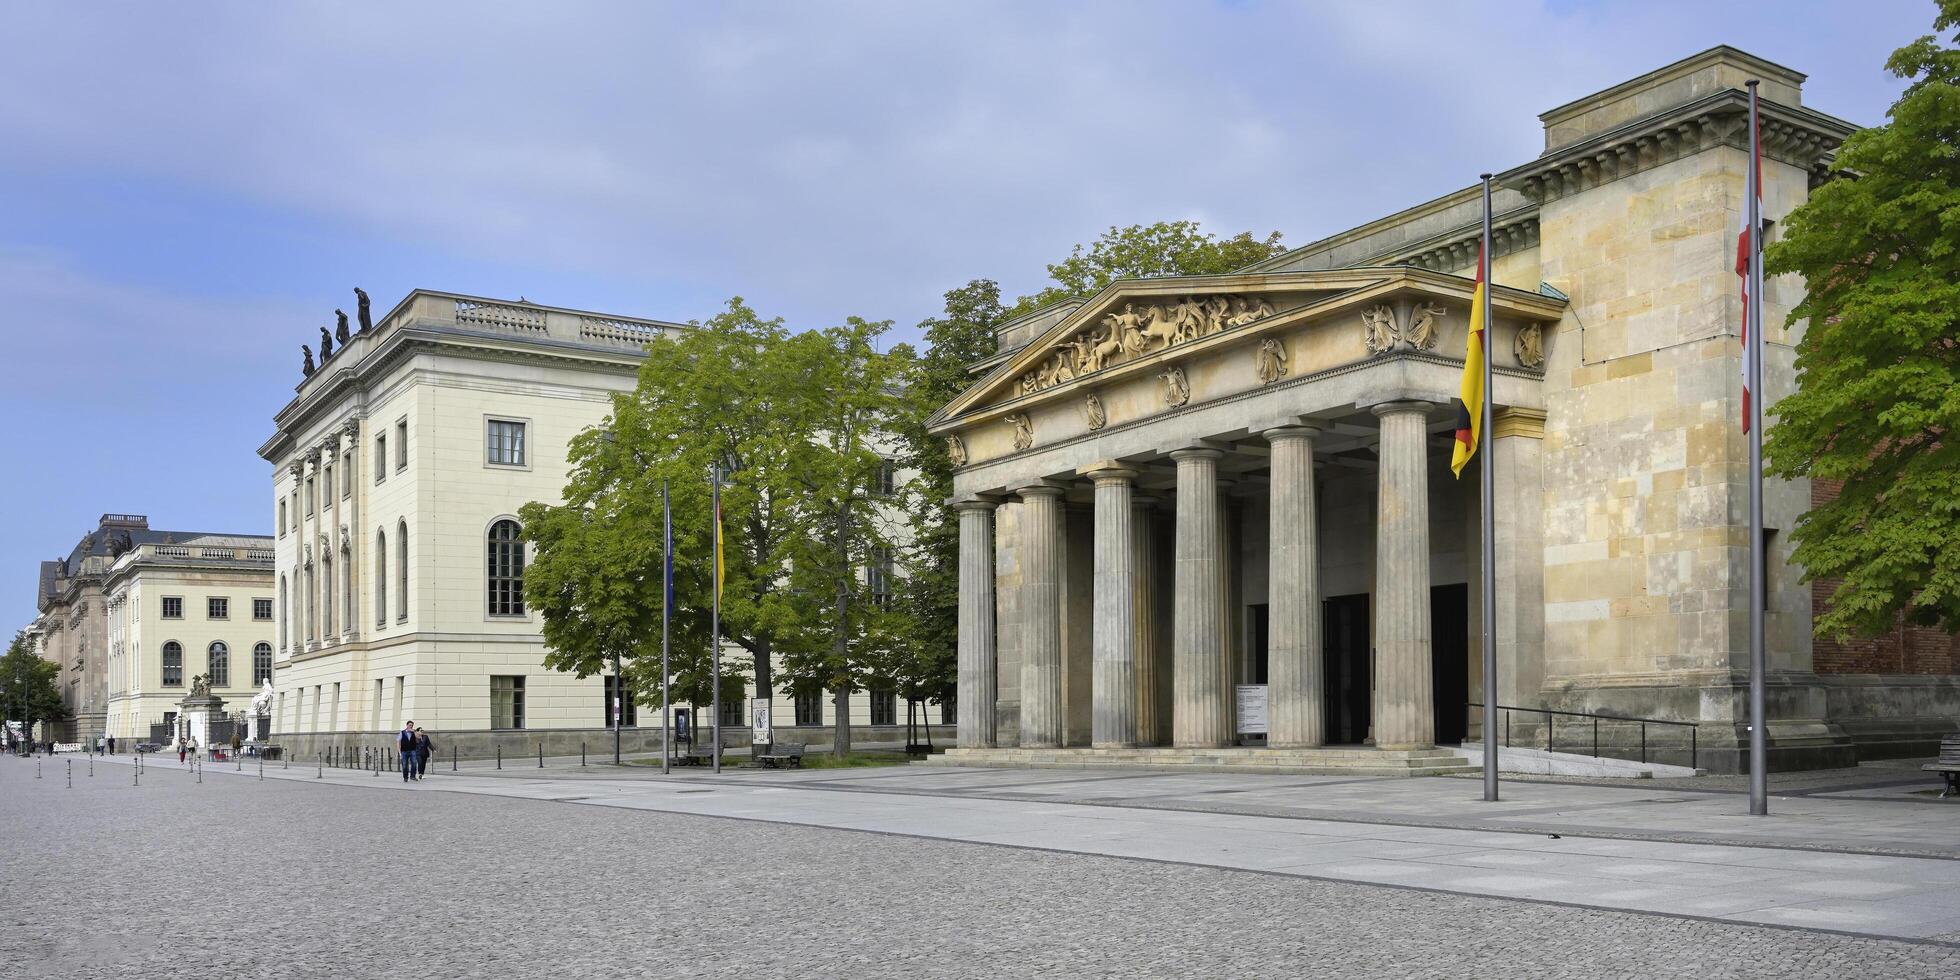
(30,687)
(1878,368)
(1167,248)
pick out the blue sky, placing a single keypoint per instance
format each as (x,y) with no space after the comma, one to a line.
(188,191)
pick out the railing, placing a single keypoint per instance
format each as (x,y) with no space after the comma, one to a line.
(172,551)
(1551,726)
(616,331)
(497,316)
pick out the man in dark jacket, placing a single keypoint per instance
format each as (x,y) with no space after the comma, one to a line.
(405,744)
(423,749)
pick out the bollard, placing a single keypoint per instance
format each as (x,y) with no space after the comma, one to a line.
(91,767)
(37,768)
(541,754)
(318,768)
(500,757)
(581,753)
(262,769)
(452,758)
(200,773)
(71,774)
(136,776)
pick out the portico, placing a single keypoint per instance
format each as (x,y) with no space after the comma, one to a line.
(1167,504)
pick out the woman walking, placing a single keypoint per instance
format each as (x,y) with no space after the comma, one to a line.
(423,749)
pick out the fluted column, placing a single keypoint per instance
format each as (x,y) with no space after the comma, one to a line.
(977,653)
(1041,616)
(1405,715)
(1293,631)
(1114,713)
(1199,711)
(1143,596)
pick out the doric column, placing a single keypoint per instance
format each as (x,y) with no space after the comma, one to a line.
(1041,616)
(1293,631)
(1143,594)
(1199,716)
(977,655)
(1114,635)
(1404,698)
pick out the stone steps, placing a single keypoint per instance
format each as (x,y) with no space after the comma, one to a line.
(1332,761)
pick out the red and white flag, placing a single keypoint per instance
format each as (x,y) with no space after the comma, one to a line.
(1746,247)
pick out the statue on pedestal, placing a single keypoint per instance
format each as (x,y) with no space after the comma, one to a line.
(200,686)
(326,345)
(362,312)
(306,367)
(340,327)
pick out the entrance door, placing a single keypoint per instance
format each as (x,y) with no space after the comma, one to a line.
(1449,665)
(1259,657)
(1346,677)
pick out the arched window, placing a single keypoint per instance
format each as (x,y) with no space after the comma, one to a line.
(380,578)
(173,664)
(401,571)
(217,664)
(261,664)
(506,569)
(285,634)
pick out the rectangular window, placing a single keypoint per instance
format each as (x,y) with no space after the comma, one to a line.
(282,517)
(401,444)
(326,485)
(217,607)
(401,685)
(262,610)
(886,482)
(948,710)
(809,707)
(732,715)
(506,702)
(374,718)
(884,707)
(380,458)
(312,499)
(504,442)
(629,716)
(878,577)
(347,471)
(295,508)
(173,607)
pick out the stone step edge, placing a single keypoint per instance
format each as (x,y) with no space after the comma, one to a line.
(1436,770)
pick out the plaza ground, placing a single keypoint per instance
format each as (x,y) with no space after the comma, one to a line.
(917,871)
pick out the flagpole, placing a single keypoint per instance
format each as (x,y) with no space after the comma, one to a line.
(1753,324)
(1488,529)
(666,615)
(714,620)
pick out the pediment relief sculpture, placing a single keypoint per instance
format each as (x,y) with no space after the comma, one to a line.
(1378,325)
(1423,325)
(1023,430)
(1177,388)
(1093,408)
(1270,360)
(956,450)
(1529,345)
(1134,332)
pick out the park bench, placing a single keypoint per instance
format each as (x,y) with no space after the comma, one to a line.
(695,755)
(1949,765)
(782,755)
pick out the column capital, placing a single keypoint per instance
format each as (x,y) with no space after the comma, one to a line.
(1041,488)
(1402,408)
(1107,471)
(1291,430)
(973,502)
(1197,452)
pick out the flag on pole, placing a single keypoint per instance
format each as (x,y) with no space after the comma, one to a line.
(1747,245)
(1470,402)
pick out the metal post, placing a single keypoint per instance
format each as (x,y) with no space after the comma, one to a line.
(619,710)
(1551,726)
(540,753)
(500,756)
(71,774)
(581,751)
(1758,712)
(666,616)
(452,757)
(1643,743)
(1595,736)
(1489,533)
(714,618)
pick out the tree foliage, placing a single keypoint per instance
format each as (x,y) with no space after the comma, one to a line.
(30,687)
(1878,369)
(1167,248)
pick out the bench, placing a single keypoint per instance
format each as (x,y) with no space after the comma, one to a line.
(695,755)
(1949,765)
(783,755)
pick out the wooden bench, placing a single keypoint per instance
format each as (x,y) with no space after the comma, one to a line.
(1949,765)
(695,755)
(782,755)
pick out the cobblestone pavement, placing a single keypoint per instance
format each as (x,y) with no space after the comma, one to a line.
(234,877)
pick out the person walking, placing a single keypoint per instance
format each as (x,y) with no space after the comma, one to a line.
(112,745)
(405,744)
(423,749)
(181,749)
(236,743)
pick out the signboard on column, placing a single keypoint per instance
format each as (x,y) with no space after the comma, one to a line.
(761,733)
(1252,709)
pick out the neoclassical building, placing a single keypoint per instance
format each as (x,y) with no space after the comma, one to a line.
(399,468)
(1185,492)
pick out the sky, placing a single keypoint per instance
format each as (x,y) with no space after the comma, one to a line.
(188,191)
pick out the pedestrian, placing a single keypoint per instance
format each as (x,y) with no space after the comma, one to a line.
(181,749)
(236,743)
(405,744)
(423,749)
(112,745)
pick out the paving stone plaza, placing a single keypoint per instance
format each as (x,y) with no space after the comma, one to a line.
(917,871)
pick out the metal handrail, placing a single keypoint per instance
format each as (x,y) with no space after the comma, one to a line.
(1551,728)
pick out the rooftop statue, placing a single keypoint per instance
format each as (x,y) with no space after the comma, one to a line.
(326,345)
(340,327)
(306,367)
(362,311)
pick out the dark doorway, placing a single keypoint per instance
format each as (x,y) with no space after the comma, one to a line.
(1346,667)
(1256,645)
(1449,665)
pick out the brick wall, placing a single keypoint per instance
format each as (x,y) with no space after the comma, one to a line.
(1901,650)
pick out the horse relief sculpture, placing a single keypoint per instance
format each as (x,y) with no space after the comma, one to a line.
(956,450)
(1530,345)
(1177,388)
(1098,416)
(1023,430)
(1270,360)
(1134,332)
(1423,325)
(1378,325)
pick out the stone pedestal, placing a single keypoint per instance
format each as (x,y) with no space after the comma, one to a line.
(195,715)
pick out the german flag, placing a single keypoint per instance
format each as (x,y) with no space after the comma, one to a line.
(1470,403)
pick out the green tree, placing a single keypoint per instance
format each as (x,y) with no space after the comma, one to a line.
(1167,248)
(927,668)
(30,687)
(838,637)
(1878,370)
